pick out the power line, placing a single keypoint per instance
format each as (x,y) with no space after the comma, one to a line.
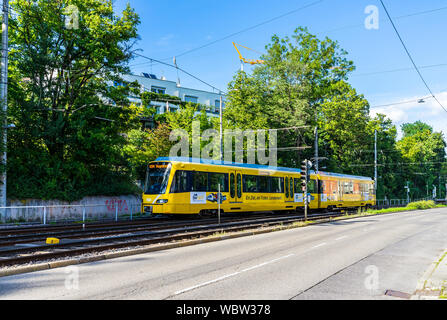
(405,102)
(332,30)
(246,29)
(398,103)
(411,58)
(176,67)
(250,28)
(396,164)
(398,70)
(396,18)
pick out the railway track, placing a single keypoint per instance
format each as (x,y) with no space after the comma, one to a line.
(27,234)
(21,248)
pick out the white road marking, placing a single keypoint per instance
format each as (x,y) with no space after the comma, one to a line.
(341,238)
(319,245)
(414,218)
(232,274)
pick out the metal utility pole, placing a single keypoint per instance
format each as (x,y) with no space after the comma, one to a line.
(221,128)
(316,149)
(375,161)
(408,192)
(3,98)
(219,201)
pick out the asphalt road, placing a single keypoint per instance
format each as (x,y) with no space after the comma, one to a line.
(353,259)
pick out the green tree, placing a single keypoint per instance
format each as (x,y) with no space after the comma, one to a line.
(409,129)
(301,83)
(391,180)
(343,122)
(70,117)
(423,152)
(145,146)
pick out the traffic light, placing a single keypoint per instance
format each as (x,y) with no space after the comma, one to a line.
(305,173)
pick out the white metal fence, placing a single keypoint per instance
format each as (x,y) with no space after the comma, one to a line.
(70,213)
(390,203)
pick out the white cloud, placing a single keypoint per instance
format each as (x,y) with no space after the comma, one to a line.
(429,112)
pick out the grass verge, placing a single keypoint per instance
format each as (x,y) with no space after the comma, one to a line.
(420,205)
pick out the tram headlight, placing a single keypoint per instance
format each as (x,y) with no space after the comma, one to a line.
(162,201)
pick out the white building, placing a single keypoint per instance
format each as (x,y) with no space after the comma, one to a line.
(151,83)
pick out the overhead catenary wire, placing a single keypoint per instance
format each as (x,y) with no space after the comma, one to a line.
(395,18)
(182,70)
(398,70)
(332,30)
(240,31)
(250,28)
(397,164)
(411,58)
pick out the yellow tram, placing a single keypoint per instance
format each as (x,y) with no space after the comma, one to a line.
(190,186)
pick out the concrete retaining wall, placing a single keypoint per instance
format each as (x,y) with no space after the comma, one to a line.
(33,210)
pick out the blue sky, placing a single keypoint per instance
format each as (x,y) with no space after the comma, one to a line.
(170,28)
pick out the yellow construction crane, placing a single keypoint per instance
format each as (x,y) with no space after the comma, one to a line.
(243,60)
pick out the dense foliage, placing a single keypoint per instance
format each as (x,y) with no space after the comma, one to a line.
(69,117)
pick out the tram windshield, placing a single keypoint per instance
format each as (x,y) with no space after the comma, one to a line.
(157,178)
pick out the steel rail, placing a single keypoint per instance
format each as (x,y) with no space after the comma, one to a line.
(27,254)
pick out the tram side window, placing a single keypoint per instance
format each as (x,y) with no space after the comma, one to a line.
(371,189)
(218,178)
(200,181)
(180,182)
(232,186)
(365,188)
(263,184)
(239,185)
(298,187)
(250,183)
(276,185)
(348,187)
(312,187)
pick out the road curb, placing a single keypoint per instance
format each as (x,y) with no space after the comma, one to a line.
(421,285)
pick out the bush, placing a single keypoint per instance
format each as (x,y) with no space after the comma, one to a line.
(421,205)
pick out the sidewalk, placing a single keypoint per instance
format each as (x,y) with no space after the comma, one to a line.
(433,285)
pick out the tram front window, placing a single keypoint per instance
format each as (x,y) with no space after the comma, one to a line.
(157,178)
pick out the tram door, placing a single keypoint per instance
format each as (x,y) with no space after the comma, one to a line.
(289,189)
(239,187)
(235,187)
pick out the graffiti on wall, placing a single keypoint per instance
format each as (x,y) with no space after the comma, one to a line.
(112,204)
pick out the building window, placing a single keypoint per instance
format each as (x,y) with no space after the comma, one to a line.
(158,90)
(191,99)
(217,104)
